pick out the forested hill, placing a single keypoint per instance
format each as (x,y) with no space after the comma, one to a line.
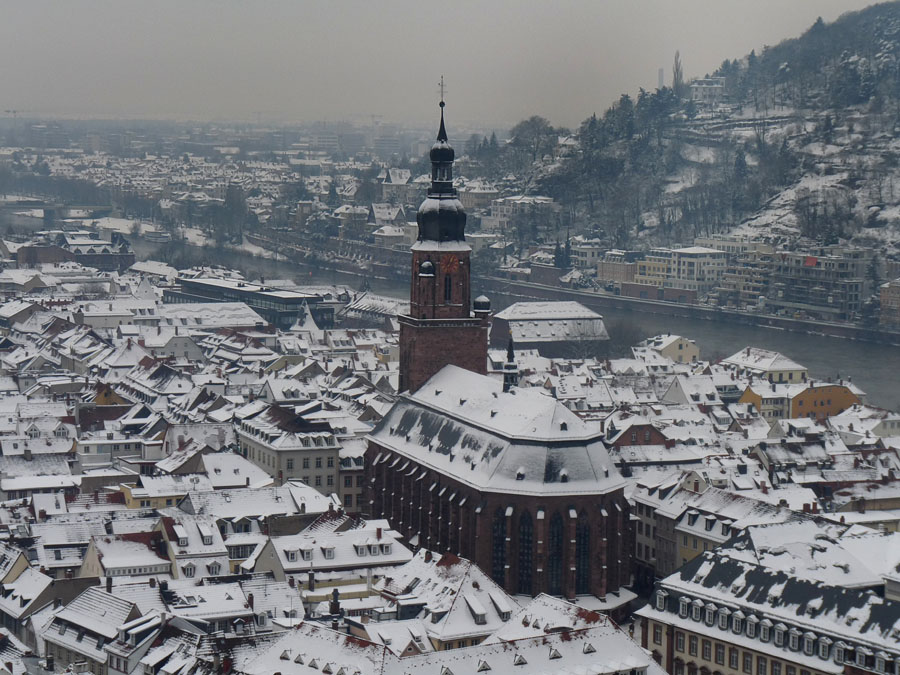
(804,144)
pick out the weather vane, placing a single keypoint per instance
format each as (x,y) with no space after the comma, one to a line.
(442,90)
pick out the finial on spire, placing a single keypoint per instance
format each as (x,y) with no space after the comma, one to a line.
(442,132)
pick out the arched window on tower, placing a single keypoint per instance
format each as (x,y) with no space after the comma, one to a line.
(448,288)
(583,555)
(555,556)
(526,543)
(498,543)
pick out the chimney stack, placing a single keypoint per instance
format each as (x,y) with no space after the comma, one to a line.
(109,584)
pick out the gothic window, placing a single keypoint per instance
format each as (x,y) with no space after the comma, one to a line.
(583,555)
(448,288)
(498,562)
(555,555)
(526,543)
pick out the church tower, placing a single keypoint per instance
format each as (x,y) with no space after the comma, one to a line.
(443,326)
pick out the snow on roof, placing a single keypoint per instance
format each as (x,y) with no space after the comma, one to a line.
(228,469)
(756,359)
(546,310)
(463,424)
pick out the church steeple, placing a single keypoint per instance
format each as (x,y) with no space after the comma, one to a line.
(441,216)
(443,326)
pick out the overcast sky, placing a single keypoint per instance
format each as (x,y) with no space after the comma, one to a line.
(299,60)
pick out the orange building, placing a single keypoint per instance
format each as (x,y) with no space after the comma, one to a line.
(818,401)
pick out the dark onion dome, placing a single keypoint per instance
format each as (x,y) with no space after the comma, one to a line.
(482,303)
(441,216)
(441,219)
(426,269)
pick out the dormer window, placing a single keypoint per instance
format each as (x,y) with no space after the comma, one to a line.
(752,622)
(329,553)
(880,661)
(779,635)
(723,618)
(710,615)
(360,550)
(824,647)
(385,549)
(207,540)
(373,549)
(182,541)
(862,656)
(661,600)
(794,639)
(189,571)
(291,556)
(840,654)
(215,569)
(698,611)
(307,554)
(809,644)
(683,605)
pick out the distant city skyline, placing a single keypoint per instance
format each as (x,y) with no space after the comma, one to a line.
(286,61)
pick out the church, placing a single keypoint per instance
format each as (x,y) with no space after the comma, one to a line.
(475,466)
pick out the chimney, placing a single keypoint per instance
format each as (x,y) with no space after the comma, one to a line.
(291,582)
(334,606)
(311,584)
(428,556)
(96,496)
(57,602)
(69,574)
(109,584)
(378,533)
(764,487)
(42,515)
(250,600)
(49,665)
(152,582)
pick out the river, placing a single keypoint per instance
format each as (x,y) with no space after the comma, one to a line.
(872,367)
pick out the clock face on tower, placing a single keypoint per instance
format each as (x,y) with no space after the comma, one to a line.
(450,264)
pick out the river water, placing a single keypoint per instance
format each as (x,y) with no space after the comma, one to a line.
(874,368)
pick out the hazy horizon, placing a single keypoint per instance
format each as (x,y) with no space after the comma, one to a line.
(285,61)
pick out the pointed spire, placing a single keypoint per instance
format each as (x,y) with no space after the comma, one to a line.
(442,132)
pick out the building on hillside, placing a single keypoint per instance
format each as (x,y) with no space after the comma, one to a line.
(618,266)
(708,91)
(889,294)
(829,283)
